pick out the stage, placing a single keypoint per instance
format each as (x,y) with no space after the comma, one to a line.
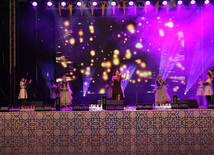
(188,131)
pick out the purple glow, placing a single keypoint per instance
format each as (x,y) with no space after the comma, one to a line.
(63,3)
(147,2)
(164,3)
(34,3)
(79,3)
(131,3)
(180,34)
(206,2)
(113,3)
(180,2)
(49,3)
(192,2)
(94,3)
(169,24)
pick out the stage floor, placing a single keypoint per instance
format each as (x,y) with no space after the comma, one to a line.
(189,131)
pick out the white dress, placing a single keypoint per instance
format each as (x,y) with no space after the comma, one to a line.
(161,95)
(208,90)
(65,94)
(200,91)
(53,92)
(23,91)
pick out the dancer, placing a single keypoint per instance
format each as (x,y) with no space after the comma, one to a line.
(212,75)
(207,89)
(65,92)
(53,93)
(109,90)
(200,91)
(161,95)
(23,90)
(117,93)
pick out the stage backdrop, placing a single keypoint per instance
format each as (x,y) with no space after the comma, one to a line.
(169,43)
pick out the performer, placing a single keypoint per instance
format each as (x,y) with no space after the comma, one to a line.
(23,92)
(65,92)
(53,93)
(161,95)
(207,90)
(117,93)
(109,90)
(200,91)
(212,75)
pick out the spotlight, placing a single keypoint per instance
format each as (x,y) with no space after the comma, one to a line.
(180,2)
(164,2)
(63,3)
(131,3)
(49,3)
(113,3)
(94,3)
(206,2)
(79,3)
(192,2)
(147,2)
(34,3)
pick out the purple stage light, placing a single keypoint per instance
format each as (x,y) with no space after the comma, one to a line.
(63,3)
(94,3)
(131,3)
(192,2)
(34,4)
(206,2)
(147,2)
(113,3)
(180,2)
(49,3)
(164,2)
(79,3)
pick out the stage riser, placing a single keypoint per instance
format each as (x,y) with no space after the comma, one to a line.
(108,132)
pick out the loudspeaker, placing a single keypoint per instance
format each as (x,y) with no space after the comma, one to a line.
(4,109)
(114,105)
(80,107)
(104,102)
(43,108)
(179,106)
(175,98)
(144,106)
(192,103)
(210,106)
(213,97)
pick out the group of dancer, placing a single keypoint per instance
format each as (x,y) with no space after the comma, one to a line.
(114,90)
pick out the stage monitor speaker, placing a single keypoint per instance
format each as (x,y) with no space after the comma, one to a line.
(179,106)
(43,108)
(210,106)
(143,106)
(80,107)
(4,109)
(114,105)
(57,103)
(192,103)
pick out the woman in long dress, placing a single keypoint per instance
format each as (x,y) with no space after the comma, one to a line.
(117,93)
(161,95)
(23,90)
(65,93)
(207,89)
(200,91)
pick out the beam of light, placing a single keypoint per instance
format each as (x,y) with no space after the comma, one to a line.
(87,77)
(148,2)
(180,2)
(34,3)
(79,3)
(49,3)
(164,2)
(113,3)
(206,2)
(131,28)
(63,3)
(130,72)
(131,3)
